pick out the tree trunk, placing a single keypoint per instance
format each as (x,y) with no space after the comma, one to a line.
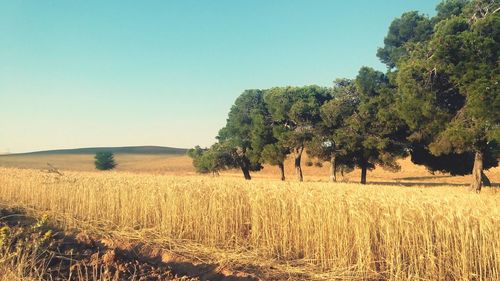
(477,172)
(333,168)
(282,170)
(486,181)
(363,174)
(246,173)
(245,168)
(298,168)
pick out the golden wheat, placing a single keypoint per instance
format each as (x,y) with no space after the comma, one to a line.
(385,232)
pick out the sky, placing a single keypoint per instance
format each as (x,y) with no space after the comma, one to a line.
(120,73)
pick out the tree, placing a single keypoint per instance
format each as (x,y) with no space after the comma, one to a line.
(104,161)
(275,154)
(373,134)
(266,148)
(236,136)
(294,112)
(325,145)
(448,87)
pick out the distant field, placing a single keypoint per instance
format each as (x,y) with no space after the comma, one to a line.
(410,174)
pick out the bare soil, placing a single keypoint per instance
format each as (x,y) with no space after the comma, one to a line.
(81,257)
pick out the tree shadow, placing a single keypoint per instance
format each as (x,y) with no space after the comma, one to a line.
(422,178)
(424,183)
(205,272)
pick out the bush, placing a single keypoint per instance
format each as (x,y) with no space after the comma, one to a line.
(104,161)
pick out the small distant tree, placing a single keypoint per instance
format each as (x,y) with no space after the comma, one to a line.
(104,161)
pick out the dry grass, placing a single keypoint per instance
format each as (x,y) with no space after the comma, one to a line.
(347,230)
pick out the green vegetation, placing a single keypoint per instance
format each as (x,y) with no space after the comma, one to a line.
(458,83)
(104,161)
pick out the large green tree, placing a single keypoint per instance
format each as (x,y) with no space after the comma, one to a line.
(373,134)
(236,136)
(403,41)
(266,147)
(294,112)
(448,86)
(334,113)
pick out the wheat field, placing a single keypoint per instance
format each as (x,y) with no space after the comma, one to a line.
(344,230)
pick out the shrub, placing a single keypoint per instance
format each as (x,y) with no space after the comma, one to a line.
(104,161)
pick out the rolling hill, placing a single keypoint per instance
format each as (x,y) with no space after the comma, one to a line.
(151,150)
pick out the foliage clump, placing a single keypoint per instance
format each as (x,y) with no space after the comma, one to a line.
(104,161)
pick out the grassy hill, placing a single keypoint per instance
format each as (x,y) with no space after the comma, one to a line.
(150,150)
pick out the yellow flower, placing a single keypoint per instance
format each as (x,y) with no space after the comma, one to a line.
(47,234)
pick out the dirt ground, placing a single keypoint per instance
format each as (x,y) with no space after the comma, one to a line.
(78,256)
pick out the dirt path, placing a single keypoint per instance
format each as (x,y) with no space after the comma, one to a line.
(32,245)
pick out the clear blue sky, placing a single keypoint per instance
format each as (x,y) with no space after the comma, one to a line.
(112,73)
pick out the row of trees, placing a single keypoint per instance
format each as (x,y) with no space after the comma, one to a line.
(438,102)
